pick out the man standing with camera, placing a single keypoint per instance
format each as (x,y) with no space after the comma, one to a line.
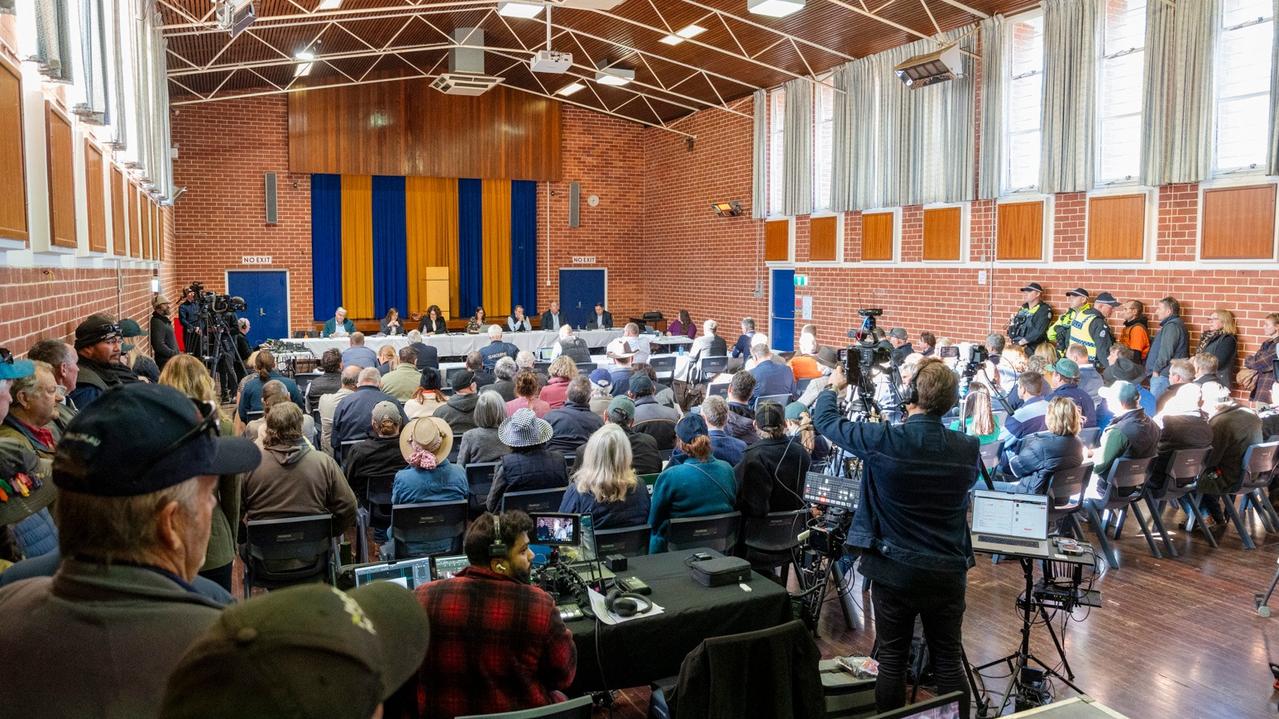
(911,526)
(1029,326)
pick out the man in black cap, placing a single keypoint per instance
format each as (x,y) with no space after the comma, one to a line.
(1059,332)
(900,340)
(459,410)
(97,341)
(1029,326)
(134,511)
(164,343)
(1090,330)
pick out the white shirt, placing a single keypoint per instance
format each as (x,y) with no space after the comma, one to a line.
(642,346)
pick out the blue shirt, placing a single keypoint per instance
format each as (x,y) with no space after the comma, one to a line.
(445,483)
(632,511)
(773,378)
(251,396)
(360,356)
(723,446)
(1077,395)
(691,489)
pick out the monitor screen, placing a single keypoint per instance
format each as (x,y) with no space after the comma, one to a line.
(1010,515)
(832,491)
(408,573)
(942,707)
(556,529)
(448,567)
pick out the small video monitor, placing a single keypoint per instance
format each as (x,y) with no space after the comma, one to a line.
(555,529)
(448,567)
(951,352)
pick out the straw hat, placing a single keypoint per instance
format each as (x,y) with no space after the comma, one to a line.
(432,433)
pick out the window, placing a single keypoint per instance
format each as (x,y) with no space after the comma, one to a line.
(1119,91)
(776,122)
(59,164)
(823,143)
(1243,85)
(1022,117)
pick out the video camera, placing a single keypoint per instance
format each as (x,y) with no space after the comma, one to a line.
(977,355)
(215,303)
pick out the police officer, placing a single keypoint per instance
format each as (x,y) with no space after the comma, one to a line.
(1089,328)
(1059,332)
(1030,325)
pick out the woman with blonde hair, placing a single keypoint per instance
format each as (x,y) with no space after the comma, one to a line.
(1043,453)
(979,415)
(604,485)
(1047,352)
(1260,366)
(562,371)
(1221,341)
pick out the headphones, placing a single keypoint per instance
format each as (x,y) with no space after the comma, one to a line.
(912,390)
(626,604)
(497,549)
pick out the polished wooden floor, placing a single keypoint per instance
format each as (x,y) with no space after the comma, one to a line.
(1174,637)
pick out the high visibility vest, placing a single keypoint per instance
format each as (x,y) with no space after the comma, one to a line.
(1079,331)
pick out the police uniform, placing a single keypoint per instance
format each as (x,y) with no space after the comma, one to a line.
(1089,328)
(1059,333)
(1030,323)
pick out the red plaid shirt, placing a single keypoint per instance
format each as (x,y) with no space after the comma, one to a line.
(496,645)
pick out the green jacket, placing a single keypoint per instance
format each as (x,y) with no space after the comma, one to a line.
(95,640)
(402,382)
(226,517)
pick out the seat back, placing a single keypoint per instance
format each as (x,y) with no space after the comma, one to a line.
(288,551)
(479,477)
(379,491)
(663,366)
(718,390)
(1258,465)
(801,385)
(708,366)
(586,367)
(1126,479)
(648,479)
(1064,484)
(541,366)
(579,708)
(661,430)
(457,447)
(782,399)
(990,453)
(428,522)
(775,531)
(627,541)
(1184,467)
(534,500)
(717,531)
(1089,435)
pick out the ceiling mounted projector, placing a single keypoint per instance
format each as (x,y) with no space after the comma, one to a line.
(550,61)
(940,65)
(464,83)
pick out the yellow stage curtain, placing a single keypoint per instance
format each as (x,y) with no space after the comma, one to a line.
(357,246)
(430,214)
(497,247)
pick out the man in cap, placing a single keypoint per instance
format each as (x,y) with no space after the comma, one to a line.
(134,511)
(497,643)
(645,457)
(23,503)
(354,412)
(97,341)
(33,407)
(307,652)
(1059,332)
(1029,326)
(459,410)
(900,340)
(621,371)
(1090,330)
(1131,435)
(143,368)
(1122,367)
(1064,378)
(530,463)
(164,343)
(640,345)
(827,360)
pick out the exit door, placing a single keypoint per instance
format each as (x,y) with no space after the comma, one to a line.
(266,299)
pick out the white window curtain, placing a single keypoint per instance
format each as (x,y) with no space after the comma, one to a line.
(93,63)
(797,149)
(1157,76)
(1272,157)
(118,57)
(53,46)
(759,156)
(1069,110)
(1189,102)
(162,175)
(7,7)
(993,74)
(136,18)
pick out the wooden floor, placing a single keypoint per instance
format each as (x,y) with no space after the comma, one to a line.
(1174,637)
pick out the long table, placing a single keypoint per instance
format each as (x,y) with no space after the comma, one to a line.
(458,345)
(647,649)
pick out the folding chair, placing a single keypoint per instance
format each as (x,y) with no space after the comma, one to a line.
(457,447)
(1123,488)
(283,552)
(990,453)
(1065,489)
(428,522)
(1089,436)
(707,367)
(664,367)
(716,531)
(627,541)
(1257,466)
(771,540)
(533,500)
(479,477)
(1181,476)
(782,399)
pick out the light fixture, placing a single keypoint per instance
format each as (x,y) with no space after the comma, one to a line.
(774,8)
(689,31)
(614,75)
(306,59)
(732,208)
(570,88)
(525,10)
(328,5)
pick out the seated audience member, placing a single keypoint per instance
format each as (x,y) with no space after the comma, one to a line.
(697,487)
(402,381)
(1221,341)
(497,643)
(328,382)
(131,356)
(741,417)
(427,355)
(377,456)
(1235,428)
(33,533)
(574,422)
(723,446)
(338,325)
(504,371)
(927,344)
(742,347)
(459,410)
(604,483)
(386,359)
(32,409)
(274,394)
(1090,380)
(900,341)
(329,404)
(530,464)
(497,348)
(644,454)
(475,363)
(322,668)
(134,510)
(61,359)
(358,354)
(601,390)
(979,416)
(1262,362)
(525,361)
(770,477)
(391,323)
(1182,425)
(481,443)
(293,479)
(427,397)
(682,326)
(640,345)
(800,424)
(517,322)
(804,364)
(649,410)
(526,390)
(1131,435)
(1043,453)
(570,345)
(425,444)
(1047,352)
(710,344)
(432,323)
(1064,379)
(1032,390)
(562,371)
(827,360)
(1206,369)
(621,371)
(552,318)
(477,322)
(771,378)
(352,417)
(1135,333)
(250,404)
(97,342)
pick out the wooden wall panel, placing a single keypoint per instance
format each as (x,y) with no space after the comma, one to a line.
(942,233)
(13,170)
(135,231)
(62,232)
(118,215)
(777,240)
(1239,223)
(1117,227)
(93,189)
(823,233)
(406,128)
(1021,231)
(877,236)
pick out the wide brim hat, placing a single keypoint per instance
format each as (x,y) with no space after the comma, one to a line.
(15,458)
(524,429)
(431,433)
(827,357)
(626,351)
(1124,369)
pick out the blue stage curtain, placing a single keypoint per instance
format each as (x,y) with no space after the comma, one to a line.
(390,258)
(326,245)
(524,245)
(470,239)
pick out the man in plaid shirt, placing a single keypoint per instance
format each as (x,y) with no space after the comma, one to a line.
(497,643)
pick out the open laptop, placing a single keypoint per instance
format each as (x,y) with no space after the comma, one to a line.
(408,573)
(1005,523)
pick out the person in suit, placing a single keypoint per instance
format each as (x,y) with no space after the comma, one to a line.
(427,355)
(771,378)
(338,325)
(710,344)
(552,318)
(391,324)
(497,348)
(433,322)
(517,322)
(603,319)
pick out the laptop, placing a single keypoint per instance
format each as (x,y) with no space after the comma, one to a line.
(1005,523)
(408,573)
(448,566)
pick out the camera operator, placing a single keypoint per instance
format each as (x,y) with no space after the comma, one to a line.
(189,318)
(911,527)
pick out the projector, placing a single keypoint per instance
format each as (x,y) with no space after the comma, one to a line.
(464,83)
(940,65)
(550,61)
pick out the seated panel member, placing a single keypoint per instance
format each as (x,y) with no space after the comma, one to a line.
(433,322)
(338,325)
(552,318)
(603,319)
(517,322)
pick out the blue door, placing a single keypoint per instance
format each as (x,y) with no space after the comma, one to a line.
(266,299)
(579,291)
(781,310)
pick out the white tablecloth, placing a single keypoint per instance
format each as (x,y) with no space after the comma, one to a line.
(458,345)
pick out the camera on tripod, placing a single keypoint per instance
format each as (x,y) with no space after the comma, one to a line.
(977,355)
(215,303)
